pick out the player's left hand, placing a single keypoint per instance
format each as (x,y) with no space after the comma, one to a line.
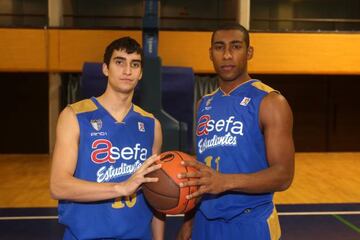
(207,179)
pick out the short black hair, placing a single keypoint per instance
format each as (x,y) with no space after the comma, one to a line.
(233,26)
(128,44)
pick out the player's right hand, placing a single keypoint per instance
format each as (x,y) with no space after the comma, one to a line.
(207,179)
(131,185)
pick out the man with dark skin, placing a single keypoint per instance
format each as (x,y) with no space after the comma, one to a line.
(245,149)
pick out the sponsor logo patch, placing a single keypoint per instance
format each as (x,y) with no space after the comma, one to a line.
(96,124)
(245,101)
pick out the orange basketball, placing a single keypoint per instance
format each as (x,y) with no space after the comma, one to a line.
(166,196)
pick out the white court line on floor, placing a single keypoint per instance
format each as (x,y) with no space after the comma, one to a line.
(181,215)
(29,218)
(319,213)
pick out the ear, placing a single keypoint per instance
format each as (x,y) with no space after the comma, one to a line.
(250,53)
(210,54)
(140,76)
(105,69)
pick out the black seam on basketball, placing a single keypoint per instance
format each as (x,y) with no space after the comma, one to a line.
(164,158)
(170,178)
(179,154)
(178,198)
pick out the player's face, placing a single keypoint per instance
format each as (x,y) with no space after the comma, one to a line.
(230,54)
(124,71)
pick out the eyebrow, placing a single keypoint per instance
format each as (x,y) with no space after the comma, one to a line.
(122,58)
(119,58)
(232,42)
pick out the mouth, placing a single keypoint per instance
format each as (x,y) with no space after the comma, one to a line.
(125,80)
(227,67)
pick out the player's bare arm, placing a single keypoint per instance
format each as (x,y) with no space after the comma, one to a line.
(158,222)
(276,123)
(156,149)
(63,185)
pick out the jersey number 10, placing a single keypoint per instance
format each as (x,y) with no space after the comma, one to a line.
(128,201)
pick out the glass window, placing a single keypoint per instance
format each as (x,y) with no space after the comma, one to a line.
(174,14)
(19,13)
(305,15)
(191,15)
(102,14)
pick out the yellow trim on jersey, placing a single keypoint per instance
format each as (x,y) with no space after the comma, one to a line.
(142,111)
(210,94)
(263,87)
(232,90)
(86,105)
(274,225)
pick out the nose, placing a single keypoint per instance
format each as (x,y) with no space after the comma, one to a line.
(227,53)
(127,69)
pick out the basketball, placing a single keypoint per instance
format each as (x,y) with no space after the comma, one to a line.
(166,196)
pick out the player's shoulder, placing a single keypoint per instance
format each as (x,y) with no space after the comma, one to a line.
(274,98)
(274,105)
(83,106)
(262,87)
(142,112)
(67,117)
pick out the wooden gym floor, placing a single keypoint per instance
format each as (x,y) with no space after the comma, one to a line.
(322,203)
(319,178)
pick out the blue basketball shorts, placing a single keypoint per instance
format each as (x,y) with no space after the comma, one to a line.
(260,223)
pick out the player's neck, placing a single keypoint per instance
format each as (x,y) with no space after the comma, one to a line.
(117,104)
(228,86)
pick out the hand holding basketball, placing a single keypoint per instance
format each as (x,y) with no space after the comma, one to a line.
(166,196)
(205,178)
(132,184)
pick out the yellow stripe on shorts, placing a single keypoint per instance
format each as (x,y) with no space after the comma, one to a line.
(274,225)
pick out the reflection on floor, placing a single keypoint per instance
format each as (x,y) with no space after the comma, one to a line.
(298,222)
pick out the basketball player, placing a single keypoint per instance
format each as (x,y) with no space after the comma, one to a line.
(244,146)
(104,147)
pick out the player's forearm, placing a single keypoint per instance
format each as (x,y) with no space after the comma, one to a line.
(85,191)
(272,179)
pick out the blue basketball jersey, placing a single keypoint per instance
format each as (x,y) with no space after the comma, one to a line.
(110,151)
(229,139)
